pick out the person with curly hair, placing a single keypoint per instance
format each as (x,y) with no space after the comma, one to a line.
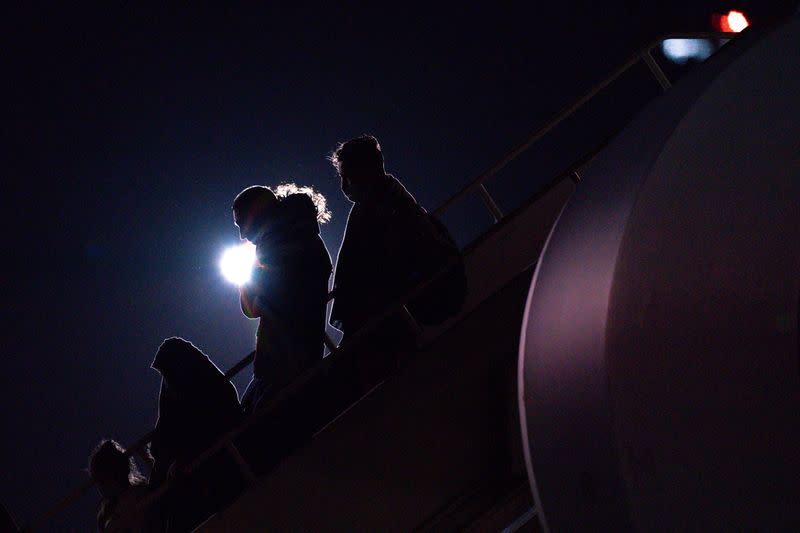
(124,506)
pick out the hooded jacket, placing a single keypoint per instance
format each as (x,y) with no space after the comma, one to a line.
(195,406)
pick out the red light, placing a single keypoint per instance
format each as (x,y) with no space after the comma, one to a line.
(733,22)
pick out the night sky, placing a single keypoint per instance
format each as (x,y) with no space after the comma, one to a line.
(128,132)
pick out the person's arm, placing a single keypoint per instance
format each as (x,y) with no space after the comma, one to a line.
(252,293)
(247,300)
(102,518)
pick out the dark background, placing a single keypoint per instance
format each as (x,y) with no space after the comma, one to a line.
(127,132)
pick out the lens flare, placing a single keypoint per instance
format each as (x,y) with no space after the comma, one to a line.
(237,263)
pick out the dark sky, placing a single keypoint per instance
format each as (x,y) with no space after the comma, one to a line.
(127,133)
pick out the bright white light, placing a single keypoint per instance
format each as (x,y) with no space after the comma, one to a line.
(681,50)
(237,263)
(736,21)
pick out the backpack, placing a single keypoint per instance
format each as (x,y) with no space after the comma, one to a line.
(444,298)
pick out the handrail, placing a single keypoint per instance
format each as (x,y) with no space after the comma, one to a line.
(644,54)
(567,111)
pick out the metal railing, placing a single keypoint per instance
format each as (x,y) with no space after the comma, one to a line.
(478,186)
(645,55)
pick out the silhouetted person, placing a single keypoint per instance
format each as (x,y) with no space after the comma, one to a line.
(385,251)
(289,287)
(124,507)
(196,406)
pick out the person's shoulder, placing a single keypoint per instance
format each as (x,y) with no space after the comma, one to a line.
(133,497)
(130,512)
(402,197)
(139,491)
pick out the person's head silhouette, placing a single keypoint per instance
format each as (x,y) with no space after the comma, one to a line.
(258,210)
(251,211)
(113,472)
(359,163)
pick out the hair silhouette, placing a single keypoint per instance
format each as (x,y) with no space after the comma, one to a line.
(108,463)
(364,150)
(284,190)
(259,198)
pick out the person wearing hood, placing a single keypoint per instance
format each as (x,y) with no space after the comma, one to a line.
(288,291)
(196,406)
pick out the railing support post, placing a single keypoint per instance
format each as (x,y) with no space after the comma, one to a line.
(411,321)
(244,468)
(656,70)
(490,204)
